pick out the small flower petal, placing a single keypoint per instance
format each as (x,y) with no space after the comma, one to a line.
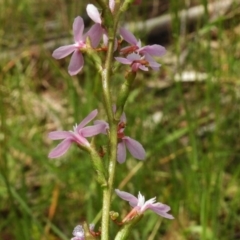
(155,50)
(76,63)
(92,130)
(78,27)
(95,33)
(104,124)
(152,63)
(121,152)
(148,204)
(93,13)
(135,148)
(123,60)
(127,197)
(87,119)
(57,135)
(61,148)
(111,5)
(63,51)
(142,67)
(128,36)
(164,214)
(134,57)
(81,140)
(123,118)
(160,207)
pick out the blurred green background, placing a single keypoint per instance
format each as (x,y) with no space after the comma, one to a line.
(186,116)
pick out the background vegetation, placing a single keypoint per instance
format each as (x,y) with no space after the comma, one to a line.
(186,116)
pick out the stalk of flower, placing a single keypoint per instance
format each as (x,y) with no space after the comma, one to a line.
(124,93)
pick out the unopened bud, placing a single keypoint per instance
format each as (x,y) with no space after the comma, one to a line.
(113,215)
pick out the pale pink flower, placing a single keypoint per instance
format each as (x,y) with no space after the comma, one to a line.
(153,50)
(140,205)
(95,15)
(78,233)
(78,135)
(77,61)
(112,5)
(134,147)
(139,62)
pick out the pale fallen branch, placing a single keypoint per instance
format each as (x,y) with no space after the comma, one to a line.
(215,9)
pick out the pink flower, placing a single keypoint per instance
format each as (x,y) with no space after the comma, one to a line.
(78,135)
(78,233)
(139,62)
(94,14)
(77,61)
(134,147)
(140,205)
(153,50)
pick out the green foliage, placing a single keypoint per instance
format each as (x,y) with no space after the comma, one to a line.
(189,129)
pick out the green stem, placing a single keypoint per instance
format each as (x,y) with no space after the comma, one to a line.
(107,191)
(111,24)
(124,93)
(98,166)
(126,230)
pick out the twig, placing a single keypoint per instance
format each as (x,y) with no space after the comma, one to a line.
(194,13)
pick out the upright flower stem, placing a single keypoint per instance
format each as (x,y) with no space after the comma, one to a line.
(123,234)
(107,191)
(111,23)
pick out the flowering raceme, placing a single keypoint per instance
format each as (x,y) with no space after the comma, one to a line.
(139,58)
(140,205)
(134,147)
(78,135)
(77,61)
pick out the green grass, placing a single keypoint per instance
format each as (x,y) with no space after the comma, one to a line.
(193,148)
